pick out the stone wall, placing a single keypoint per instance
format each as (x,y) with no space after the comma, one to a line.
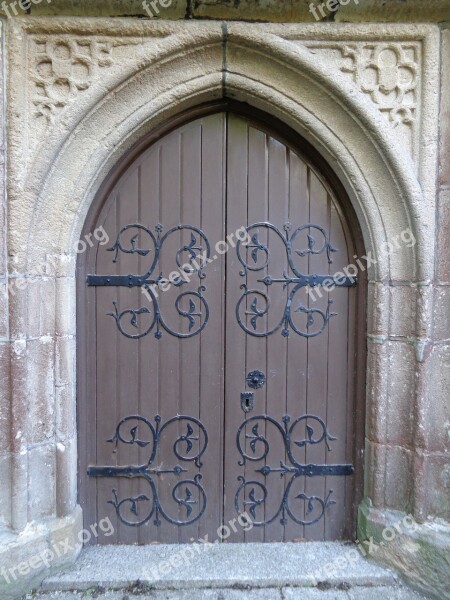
(123,77)
(283,11)
(5,448)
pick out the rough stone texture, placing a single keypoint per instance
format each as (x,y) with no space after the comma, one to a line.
(443,233)
(445,110)
(168,9)
(253,10)
(421,552)
(436,422)
(3,253)
(358,593)
(218,565)
(28,550)
(256,10)
(5,445)
(394,10)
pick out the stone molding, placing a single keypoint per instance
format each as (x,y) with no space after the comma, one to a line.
(82,91)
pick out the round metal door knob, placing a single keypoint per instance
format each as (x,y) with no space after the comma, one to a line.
(256,379)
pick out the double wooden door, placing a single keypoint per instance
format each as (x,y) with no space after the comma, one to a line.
(217,359)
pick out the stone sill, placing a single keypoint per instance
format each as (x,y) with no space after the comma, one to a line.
(294,11)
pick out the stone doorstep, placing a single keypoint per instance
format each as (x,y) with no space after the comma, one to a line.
(359,593)
(218,566)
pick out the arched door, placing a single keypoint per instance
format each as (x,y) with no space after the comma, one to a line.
(218,344)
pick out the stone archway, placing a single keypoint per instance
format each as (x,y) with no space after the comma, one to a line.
(141,74)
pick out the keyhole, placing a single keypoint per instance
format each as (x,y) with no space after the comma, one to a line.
(247,402)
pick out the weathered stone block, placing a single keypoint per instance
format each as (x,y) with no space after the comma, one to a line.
(41,482)
(390,392)
(435,400)
(377,315)
(64,360)
(441,329)
(5,490)
(403,310)
(40,390)
(65,306)
(389,482)
(4,320)
(3,246)
(393,10)
(32,306)
(5,398)
(432,480)
(19,490)
(30,549)
(66,476)
(65,411)
(421,552)
(163,9)
(445,110)
(257,10)
(40,294)
(443,231)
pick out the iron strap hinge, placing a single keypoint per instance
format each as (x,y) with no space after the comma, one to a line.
(118,280)
(309,470)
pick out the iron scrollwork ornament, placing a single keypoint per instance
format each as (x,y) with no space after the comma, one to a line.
(190,259)
(253,306)
(187,494)
(252,494)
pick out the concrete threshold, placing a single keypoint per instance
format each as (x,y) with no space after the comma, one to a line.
(200,566)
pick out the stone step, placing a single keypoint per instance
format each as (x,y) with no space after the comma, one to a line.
(358,593)
(319,565)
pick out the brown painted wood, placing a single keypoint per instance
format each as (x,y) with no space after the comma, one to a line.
(217,170)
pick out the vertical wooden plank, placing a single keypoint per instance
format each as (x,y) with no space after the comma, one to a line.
(317,354)
(86,386)
(106,363)
(168,345)
(337,401)
(256,348)
(276,342)
(213,188)
(297,355)
(237,178)
(189,350)
(149,355)
(127,352)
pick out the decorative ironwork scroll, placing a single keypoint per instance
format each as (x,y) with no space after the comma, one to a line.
(254,256)
(188,493)
(252,493)
(190,259)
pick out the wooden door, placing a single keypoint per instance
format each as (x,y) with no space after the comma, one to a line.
(290,354)
(228,388)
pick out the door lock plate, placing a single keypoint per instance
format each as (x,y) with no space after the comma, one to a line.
(247,401)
